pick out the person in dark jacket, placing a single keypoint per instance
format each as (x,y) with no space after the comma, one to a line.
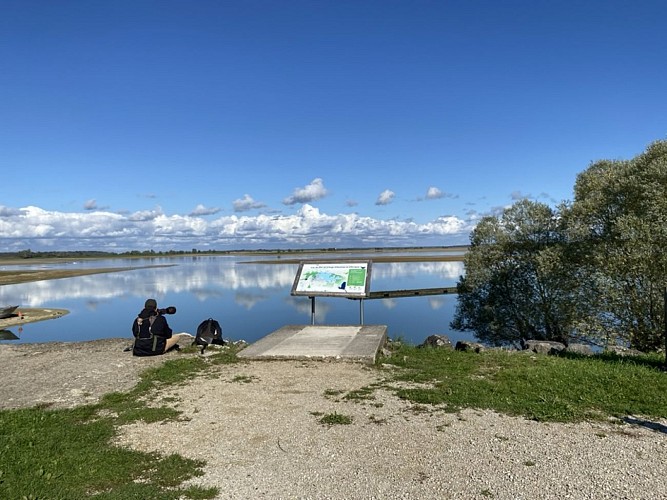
(152,335)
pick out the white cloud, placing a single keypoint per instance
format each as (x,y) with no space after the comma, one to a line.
(312,192)
(201,210)
(246,203)
(145,215)
(444,225)
(35,228)
(386,197)
(434,193)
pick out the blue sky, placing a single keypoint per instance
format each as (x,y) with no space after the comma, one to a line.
(242,124)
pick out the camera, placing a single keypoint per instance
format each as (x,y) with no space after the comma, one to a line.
(167,310)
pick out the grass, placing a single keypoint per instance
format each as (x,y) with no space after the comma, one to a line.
(69,454)
(335,419)
(539,387)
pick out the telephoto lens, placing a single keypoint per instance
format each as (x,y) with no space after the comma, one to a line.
(167,310)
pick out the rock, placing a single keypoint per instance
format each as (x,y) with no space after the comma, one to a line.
(464,345)
(440,341)
(543,346)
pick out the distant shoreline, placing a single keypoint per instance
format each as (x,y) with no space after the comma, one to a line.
(23,258)
(376,258)
(15,276)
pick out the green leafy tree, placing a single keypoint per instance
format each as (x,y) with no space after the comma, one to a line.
(516,285)
(618,226)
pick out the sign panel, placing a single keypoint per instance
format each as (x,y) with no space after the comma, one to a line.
(333,279)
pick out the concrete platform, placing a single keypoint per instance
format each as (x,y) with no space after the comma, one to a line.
(344,342)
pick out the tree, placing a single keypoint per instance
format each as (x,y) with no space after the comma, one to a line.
(595,270)
(516,285)
(618,223)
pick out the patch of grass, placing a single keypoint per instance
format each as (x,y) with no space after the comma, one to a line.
(363,394)
(540,387)
(335,419)
(68,453)
(333,393)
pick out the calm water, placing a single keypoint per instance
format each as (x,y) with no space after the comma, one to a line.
(249,299)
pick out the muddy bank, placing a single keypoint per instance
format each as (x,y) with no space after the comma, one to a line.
(28,275)
(25,315)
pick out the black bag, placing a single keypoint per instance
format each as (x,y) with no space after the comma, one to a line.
(209,332)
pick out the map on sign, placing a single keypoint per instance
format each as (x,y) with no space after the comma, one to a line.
(347,279)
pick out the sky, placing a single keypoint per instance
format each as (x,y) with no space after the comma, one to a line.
(173,125)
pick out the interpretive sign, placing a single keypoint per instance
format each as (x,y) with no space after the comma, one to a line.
(333,279)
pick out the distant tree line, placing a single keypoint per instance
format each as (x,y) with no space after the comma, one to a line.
(592,270)
(80,254)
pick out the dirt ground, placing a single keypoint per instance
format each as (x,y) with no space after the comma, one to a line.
(67,374)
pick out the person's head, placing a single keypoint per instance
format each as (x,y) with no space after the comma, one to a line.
(151,304)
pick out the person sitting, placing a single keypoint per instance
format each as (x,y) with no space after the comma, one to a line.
(152,335)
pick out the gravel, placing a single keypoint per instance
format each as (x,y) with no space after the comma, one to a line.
(257,426)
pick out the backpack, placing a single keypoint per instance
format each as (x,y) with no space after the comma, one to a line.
(209,332)
(142,329)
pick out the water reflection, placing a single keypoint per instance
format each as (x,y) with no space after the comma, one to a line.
(249,299)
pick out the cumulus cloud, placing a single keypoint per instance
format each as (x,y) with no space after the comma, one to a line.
(145,215)
(433,193)
(201,210)
(386,197)
(90,205)
(35,228)
(246,203)
(8,211)
(312,192)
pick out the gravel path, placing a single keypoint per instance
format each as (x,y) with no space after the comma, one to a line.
(256,425)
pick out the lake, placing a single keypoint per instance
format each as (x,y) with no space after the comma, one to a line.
(250,299)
